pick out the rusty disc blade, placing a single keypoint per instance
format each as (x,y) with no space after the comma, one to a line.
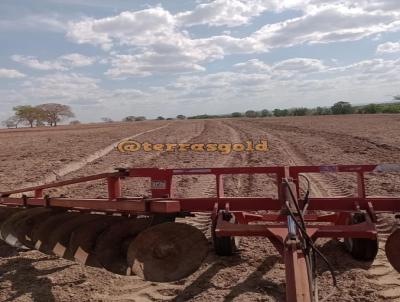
(8,227)
(60,236)
(83,240)
(167,252)
(111,246)
(40,234)
(392,249)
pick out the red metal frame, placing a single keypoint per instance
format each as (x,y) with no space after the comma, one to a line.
(272,225)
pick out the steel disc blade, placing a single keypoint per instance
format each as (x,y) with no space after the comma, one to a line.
(83,240)
(111,245)
(392,249)
(23,227)
(6,212)
(167,252)
(59,238)
(40,234)
(8,229)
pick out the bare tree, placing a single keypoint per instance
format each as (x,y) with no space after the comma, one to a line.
(54,113)
(12,122)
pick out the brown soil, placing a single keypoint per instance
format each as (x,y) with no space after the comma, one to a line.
(257,272)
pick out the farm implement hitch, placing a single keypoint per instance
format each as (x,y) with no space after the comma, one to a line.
(290,221)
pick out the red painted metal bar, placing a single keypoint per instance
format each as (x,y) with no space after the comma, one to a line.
(114,187)
(297,283)
(63,183)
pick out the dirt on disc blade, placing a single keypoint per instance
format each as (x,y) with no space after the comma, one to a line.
(111,246)
(8,230)
(41,231)
(167,252)
(23,227)
(83,240)
(60,236)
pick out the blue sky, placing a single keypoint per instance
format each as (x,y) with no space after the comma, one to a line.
(119,58)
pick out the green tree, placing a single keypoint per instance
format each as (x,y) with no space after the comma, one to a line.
(181,117)
(299,111)
(129,118)
(281,112)
(28,114)
(140,118)
(251,113)
(371,108)
(342,108)
(160,118)
(54,113)
(265,113)
(236,114)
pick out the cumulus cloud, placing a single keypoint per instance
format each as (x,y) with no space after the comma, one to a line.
(388,47)
(159,41)
(11,73)
(224,12)
(142,27)
(62,63)
(149,63)
(329,23)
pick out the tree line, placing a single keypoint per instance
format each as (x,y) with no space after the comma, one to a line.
(40,115)
(337,109)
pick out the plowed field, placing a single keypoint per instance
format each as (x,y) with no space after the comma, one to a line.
(256,273)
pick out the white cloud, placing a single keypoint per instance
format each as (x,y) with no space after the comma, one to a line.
(223,12)
(388,47)
(159,42)
(284,69)
(62,63)
(76,60)
(303,65)
(325,24)
(11,73)
(47,22)
(149,63)
(140,28)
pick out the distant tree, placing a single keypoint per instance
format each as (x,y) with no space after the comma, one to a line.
(322,111)
(299,111)
(396,97)
(28,114)
(160,118)
(251,113)
(75,122)
(140,118)
(107,120)
(371,108)
(54,113)
(281,112)
(236,114)
(265,113)
(181,117)
(169,119)
(130,118)
(12,122)
(342,108)
(391,108)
